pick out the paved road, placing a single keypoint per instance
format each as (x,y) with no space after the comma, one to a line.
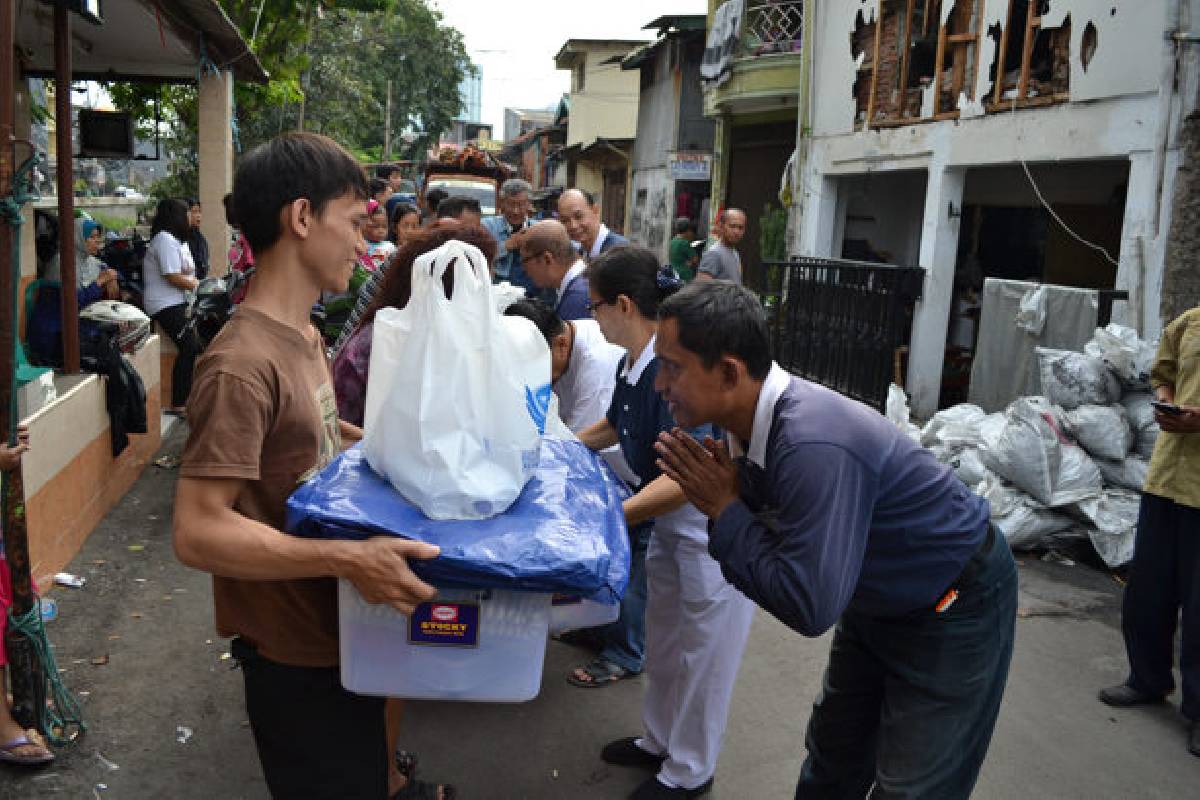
(165,673)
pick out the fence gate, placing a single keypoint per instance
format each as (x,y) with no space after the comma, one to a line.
(840,323)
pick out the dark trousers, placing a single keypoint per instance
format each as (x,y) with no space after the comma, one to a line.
(909,703)
(1164,579)
(315,740)
(173,320)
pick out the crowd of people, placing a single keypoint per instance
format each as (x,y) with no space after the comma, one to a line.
(749,487)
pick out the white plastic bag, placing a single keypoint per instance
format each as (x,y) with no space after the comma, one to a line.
(1027,447)
(954,425)
(969,467)
(1023,521)
(1073,379)
(458,395)
(898,414)
(1031,314)
(1125,353)
(1103,431)
(1141,417)
(1129,473)
(1112,524)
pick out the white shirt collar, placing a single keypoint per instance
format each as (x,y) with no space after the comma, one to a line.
(773,387)
(574,272)
(601,235)
(634,374)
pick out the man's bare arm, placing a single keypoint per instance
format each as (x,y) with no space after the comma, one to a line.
(210,535)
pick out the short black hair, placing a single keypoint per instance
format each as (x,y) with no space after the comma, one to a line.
(287,168)
(230,211)
(375,186)
(434,198)
(399,212)
(540,314)
(634,272)
(386,171)
(171,215)
(455,205)
(719,318)
(683,225)
(193,201)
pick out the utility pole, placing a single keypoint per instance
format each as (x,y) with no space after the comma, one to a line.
(25,673)
(1181,268)
(387,123)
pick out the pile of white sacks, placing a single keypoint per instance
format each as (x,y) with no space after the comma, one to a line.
(1074,457)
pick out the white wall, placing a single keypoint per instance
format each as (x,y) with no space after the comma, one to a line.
(1126,60)
(608,105)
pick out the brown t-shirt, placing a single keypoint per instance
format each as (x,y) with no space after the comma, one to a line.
(262,409)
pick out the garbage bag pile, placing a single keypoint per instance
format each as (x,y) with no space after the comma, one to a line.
(1073,458)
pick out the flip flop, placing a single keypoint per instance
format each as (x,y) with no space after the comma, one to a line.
(601,672)
(8,754)
(420,790)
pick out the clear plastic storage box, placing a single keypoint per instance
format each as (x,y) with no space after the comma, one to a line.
(484,645)
(571,612)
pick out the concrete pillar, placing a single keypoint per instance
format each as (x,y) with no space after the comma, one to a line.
(1139,246)
(939,252)
(216,161)
(819,216)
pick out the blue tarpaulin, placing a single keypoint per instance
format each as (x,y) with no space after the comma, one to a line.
(565,533)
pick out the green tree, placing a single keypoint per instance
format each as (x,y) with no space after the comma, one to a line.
(330,61)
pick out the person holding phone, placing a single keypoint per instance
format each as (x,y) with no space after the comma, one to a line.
(1164,576)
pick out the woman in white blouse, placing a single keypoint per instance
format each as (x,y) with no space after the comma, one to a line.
(169,274)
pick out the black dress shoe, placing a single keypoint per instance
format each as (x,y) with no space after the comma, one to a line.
(654,789)
(1194,739)
(1124,696)
(626,753)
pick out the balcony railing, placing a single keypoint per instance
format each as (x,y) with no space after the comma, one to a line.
(839,323)
(772,26)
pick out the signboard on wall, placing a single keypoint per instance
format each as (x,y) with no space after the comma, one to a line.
(689,166)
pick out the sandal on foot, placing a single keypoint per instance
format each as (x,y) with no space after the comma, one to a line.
(406,763)
(420,790)
(600,672)
(9,754)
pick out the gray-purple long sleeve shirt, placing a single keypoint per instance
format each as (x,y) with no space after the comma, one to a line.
(840,510)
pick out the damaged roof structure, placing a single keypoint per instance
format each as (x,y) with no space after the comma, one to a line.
(1015,139)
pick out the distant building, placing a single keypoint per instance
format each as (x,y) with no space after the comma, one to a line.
(603,121)
(673,150)
(520,121)
(470,89)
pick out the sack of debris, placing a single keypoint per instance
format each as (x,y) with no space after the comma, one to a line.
(1023,521)
(1073,379)
(969,467)
(897,412)
(1128,473)
(1124,353)
(1141,418)
(957,426)
(1028,448)
(1103,431)
(1111,520)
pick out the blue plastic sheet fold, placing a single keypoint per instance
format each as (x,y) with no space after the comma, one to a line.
(565,533)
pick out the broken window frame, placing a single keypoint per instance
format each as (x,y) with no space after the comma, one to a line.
(963,47)
(1032,27)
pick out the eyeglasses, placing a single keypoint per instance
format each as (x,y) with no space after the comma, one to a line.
(591,307)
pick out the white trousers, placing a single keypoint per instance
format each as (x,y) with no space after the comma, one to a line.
(696,630)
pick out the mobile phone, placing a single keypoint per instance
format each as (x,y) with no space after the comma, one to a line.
(1166,408)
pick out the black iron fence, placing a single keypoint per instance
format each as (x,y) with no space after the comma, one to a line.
(840,323)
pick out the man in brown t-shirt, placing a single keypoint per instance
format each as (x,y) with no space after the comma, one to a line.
(263,419)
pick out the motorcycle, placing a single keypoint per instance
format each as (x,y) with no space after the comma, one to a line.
(211,305)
